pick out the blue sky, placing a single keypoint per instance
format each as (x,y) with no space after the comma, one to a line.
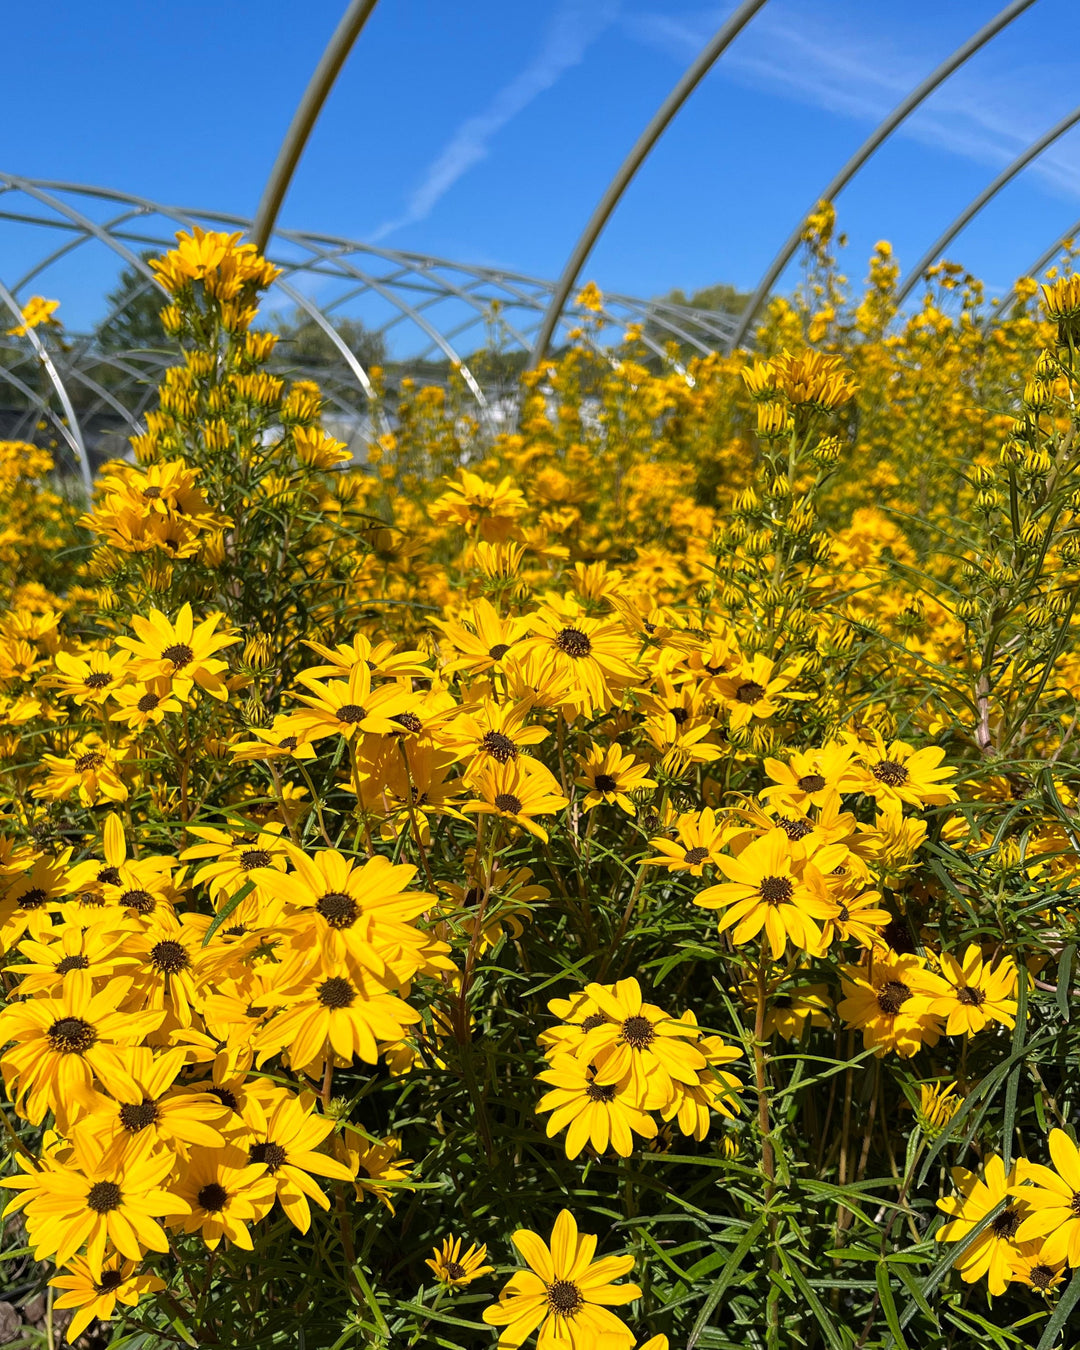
(485,130)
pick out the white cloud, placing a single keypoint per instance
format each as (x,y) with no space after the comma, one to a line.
(575,25)
(804,53)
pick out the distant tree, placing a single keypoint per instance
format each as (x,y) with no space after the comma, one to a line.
(305,343)
(134,319)
(721,296)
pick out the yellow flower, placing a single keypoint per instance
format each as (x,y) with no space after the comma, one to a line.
(1054,1196)
(182,652)
(896,774)
(377,1165)
(992,1252)
(97,1295)
(699,839)
(564,1292)
(516,791)
(224,1192)
(978,994)
(937,1106)
(639,1040)
(609,775)
(36,311)
(590,1112)
(455,1268)
(891,1001)
(286,1144)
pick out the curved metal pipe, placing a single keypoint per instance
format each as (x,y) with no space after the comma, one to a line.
(988,193)
(880,133)
(305,117)
(691,78)
(1036,267)
(71,432)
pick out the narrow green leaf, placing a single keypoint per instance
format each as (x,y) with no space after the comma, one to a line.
(888,1304)
(716,1293)
(1069,1300)
(1064,979)
(1012,1087)
(226,909)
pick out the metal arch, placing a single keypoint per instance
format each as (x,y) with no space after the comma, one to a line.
(305,117)
(1037,267)
(880,134)
(658,124)
(988,193)
(72,433)
(7,373)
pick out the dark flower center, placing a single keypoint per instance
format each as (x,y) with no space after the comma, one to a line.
(33,898)
(573,642)
(336,993)
(889,772)
(750,692)
(180,654)
(973,998)
(339,910)
(1041,1277)
(351,713)
(454,1271)
(892,996)
(110,1280)
(140,901)
(638,1032)
(1006,1223)
(409,721)
(506,801)
(109,876)
(498,746)
(151,493)
(97,679)
(93,759)
(104,1196)
(564,1297)
(498,651)
(811,782)
(273,1155)
(1074,1203)
(601,1092)
(225,1097)
(795,829)
(681,715)
(593,1021)
(693,857)
(254,857)
(288,743)
(72,1036)
(604,782)
(148,703)
(77,962)
(213,1198)
(138,1117)
(169,958)
(776,890)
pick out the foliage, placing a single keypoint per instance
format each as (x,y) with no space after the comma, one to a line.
(657,823)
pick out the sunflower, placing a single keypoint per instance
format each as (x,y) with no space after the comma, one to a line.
(481,638)
(1030,1266)
(376,1164)
(897,773)
(811,778)
(491,733)
(454,1268)
(351,707)
(89,678)
(791,1010)
(157,1111)
(992,1252)
(595,655)
(640,1040)
(73,955)
(754,690)
(228,862)
(716,1090)
(564,1292)
(891,1001)
(286,1144)
(92,1200)
(330,1013)
(144,704)
(30,899)
(848,917)
(766,889)
(592,1113)
(97,1295)
(182,652)
(223,1192)
(90,769)
(380,658)
(1054,1198)
(700,837)
(609,775)
(283,739)
(60,1044)
(517,790)
(978,993)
